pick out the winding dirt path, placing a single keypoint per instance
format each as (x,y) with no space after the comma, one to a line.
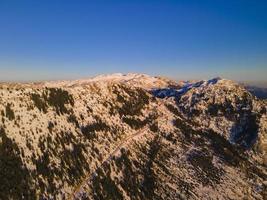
(78,191)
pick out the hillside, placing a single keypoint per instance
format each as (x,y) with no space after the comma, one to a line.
(132,137)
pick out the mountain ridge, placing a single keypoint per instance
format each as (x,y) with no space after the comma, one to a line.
(54,133)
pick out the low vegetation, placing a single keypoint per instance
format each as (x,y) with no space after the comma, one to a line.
(39,102)
(15,179)
(89,131)
(133,102)
(134,123)
(48,145)
(105,187)
(54,97)
(58,98)
(9,112)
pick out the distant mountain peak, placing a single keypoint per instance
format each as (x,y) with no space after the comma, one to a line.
(133,79)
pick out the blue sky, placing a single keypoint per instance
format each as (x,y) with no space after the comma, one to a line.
(53,39)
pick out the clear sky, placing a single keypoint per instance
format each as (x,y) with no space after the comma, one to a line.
(64,39)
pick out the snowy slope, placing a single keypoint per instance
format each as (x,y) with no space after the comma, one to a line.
(189,142)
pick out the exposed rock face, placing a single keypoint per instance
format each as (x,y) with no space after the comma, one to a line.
(132,137)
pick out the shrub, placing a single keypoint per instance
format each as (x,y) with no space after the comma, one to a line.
(14,177)
(149,183)
(173,109)
(205,171)
(72,119)
(9,112)
(58,98)
(50,126)
(134,103)
(105,188)
(39,102)
(90,129)
(154,127)
(134,123)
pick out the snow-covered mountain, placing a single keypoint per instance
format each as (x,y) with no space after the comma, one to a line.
(260,92)
(133,79)
(132,136)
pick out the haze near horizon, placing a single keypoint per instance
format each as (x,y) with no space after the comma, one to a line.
(178,39)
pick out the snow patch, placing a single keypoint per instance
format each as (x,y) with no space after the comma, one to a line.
(171,92)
